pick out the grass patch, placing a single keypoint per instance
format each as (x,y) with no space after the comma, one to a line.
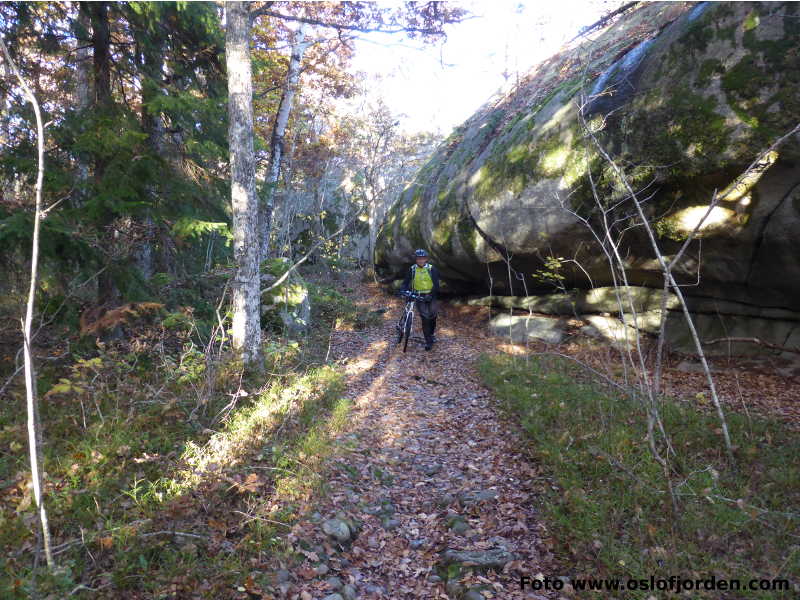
(163,479)
(117,493)
(608,510)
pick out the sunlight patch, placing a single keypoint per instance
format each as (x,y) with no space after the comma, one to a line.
(554,161)
(683,222)
(740,188)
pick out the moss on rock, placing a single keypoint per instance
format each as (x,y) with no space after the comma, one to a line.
(691,94)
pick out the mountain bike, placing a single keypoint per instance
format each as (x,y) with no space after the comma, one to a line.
(407,318)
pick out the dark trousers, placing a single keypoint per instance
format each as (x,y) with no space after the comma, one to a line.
(427,312)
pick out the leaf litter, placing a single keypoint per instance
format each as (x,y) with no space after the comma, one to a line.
(429,448)
(429,467)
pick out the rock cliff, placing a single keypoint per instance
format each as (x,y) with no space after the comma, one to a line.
(684,97)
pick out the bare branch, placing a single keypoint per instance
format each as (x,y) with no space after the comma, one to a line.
(344,27)
(32,401)
(285,276)
(751,340)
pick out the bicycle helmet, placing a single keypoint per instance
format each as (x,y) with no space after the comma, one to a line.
(420,252)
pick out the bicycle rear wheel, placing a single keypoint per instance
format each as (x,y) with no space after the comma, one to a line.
(407,329)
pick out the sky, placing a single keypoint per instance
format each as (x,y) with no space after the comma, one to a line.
(438,86)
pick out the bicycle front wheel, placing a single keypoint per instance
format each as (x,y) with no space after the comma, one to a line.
(401,327)
(407,329)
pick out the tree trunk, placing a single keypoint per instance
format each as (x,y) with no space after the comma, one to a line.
(83,58)
(143,254)
(101,45)
(373,228)
(83,90)
(277,143)
(246,289)
(107,291)
(151,45)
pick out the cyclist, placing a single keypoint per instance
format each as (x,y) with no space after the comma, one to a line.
(423,279)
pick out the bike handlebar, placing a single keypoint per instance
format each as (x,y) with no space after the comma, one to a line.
(412,296)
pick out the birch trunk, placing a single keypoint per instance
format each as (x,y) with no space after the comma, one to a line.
(246,294)
(277,143)
(32,401)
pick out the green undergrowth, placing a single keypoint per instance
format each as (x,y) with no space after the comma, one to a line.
(605,499)
(334,305)
(170,475)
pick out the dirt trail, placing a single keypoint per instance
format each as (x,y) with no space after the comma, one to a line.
(430,467)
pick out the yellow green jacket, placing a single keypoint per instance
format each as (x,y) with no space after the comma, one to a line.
(412,276)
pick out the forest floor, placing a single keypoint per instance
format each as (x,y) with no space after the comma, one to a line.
(432,467)
(367,472)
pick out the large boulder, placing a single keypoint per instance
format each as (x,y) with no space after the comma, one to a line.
(521,328)
(611,314)
(684,96)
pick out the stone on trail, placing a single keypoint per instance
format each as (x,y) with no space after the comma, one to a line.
(494,558)
(374,589)
(333,597)
(430,470)
(445,500)
(387,508)
(473,594)
(454,588)
(459,526)
(338,530)
(384,510)
(334,583)
(349,592)
(499,542)
(467,498)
